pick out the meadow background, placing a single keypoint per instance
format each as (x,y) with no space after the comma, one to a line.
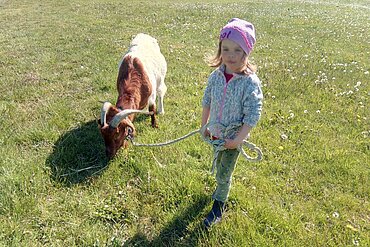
(59,58)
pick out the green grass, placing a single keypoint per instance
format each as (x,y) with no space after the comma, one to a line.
(59,58)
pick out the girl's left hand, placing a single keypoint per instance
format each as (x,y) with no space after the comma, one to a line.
(242,134)
(231,144)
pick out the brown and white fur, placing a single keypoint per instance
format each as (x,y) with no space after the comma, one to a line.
(140,79)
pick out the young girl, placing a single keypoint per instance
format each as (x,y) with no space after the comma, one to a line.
(233,97)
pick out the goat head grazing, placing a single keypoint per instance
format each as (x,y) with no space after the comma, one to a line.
(140,78)
(115,127)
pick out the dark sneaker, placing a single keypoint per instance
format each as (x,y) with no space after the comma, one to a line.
(215,215)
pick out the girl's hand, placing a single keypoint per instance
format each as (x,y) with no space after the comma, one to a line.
(206,133)
(242,134)
(231,144)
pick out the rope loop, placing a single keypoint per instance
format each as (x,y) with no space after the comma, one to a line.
(253,148)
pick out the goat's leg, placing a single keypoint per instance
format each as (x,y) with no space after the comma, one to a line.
(154,120)
(161,91)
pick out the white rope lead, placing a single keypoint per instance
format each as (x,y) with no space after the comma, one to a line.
(164,143)
(246,143)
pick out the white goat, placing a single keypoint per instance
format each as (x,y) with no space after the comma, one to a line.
(140,78)
(146,48)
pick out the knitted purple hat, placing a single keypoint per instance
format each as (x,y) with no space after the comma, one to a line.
(241,32)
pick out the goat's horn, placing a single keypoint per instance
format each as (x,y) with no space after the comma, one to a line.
(103,114)
(124,114)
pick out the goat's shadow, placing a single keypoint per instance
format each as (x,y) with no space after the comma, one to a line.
(177,232)
(78,155)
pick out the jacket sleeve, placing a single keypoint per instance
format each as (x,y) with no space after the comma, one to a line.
(206,101)
(252,102)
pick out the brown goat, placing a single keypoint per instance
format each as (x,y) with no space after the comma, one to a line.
(137,85)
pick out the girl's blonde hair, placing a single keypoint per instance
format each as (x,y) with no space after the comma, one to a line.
(216,61)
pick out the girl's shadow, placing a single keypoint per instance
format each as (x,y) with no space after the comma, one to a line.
(78,155)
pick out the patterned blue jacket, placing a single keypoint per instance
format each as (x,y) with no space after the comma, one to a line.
(238,101)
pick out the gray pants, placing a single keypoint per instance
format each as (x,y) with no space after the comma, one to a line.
(226,162)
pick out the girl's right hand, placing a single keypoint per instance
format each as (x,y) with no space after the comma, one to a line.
(206,133)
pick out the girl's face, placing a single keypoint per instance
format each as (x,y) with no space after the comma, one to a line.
(233,56)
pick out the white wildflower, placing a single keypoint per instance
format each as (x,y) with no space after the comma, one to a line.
(365,133)
(356,242)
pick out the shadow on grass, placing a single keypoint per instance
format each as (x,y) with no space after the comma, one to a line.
(177,232)
(78,155)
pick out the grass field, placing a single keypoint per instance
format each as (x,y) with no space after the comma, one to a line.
(59,58)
